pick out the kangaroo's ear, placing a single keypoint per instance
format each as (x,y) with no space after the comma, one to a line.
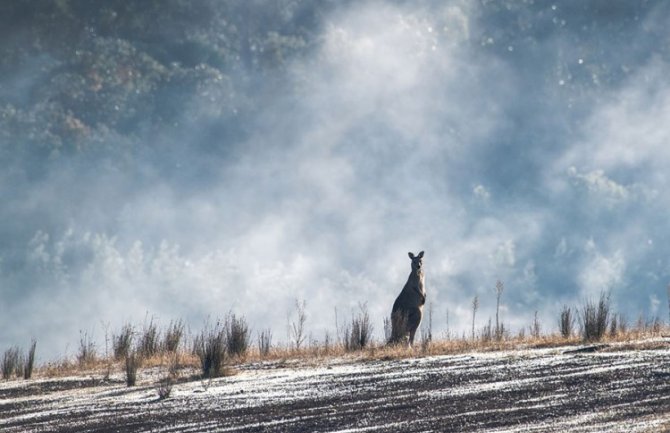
(420,255)
(411,256)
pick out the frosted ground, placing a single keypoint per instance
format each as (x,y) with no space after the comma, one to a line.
(613,389)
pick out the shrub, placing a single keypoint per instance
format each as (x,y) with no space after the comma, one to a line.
(210,348)
(10,363)
(359,335)
(566,323)
(122,343)
(595,318)
(264,342)
(148,344)
(237,336)
(133,362)
(29,361)
(173,336)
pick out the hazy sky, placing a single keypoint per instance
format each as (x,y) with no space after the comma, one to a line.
(522,142)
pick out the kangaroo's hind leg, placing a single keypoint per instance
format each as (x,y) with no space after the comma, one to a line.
(413,322)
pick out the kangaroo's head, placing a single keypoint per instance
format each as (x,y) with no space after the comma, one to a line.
(417,261)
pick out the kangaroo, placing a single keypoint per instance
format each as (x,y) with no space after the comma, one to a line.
(408,306)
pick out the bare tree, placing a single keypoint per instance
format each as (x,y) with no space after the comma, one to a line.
(430,322)
(475,307)
(499,290)
(427,334)
(535,328)
(337,329)
(448,331)
(298,326)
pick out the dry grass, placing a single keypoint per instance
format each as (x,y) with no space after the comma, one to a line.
(11,363)
(133,363)
(636,338)
(29,361)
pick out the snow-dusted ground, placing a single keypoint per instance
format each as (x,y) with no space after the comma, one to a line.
(533,390)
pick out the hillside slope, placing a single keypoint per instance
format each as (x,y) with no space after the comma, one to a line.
(513,391)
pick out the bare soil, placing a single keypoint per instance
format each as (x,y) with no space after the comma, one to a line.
(545,390)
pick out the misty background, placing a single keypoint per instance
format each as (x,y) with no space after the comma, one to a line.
(177,159)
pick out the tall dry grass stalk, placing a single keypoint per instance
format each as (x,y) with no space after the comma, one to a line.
(173,336)
(122,342)
(29,361)
(149,344)
(87,353)
(566,322)
(237,336)
(133,363)
(11,364)
(210,348)
(594,318)
(359,334)
(614,325)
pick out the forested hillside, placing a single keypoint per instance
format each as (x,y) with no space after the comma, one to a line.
(81,76)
